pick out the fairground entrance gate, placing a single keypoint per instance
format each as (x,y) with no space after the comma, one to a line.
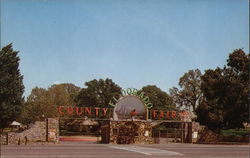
(179,132)
(127,120)
(124,132)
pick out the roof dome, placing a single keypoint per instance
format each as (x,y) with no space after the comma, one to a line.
(126,105)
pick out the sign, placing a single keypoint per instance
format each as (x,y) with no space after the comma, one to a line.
(132,92)
(83,111)
(195,135)
(169,115)
(131,104)
(98,112)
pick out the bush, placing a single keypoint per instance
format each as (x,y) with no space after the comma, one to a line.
(235,132)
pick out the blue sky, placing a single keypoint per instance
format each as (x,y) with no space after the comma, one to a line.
(133,42)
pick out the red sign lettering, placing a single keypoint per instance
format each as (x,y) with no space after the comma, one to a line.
(70,110)
(60,108)
(104,111)
(161,114)
(154,113)
(96,111)
(173,114)
(87,111)
(168,115)
(77,110)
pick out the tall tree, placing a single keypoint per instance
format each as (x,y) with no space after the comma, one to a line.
(226,93)
(239,62)
(215,88)
(11,86)
(63,94)
(189,95)
(37,107)
(157,97)
(42,103)
(98,93)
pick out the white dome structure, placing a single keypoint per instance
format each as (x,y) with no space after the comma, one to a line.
(126,105)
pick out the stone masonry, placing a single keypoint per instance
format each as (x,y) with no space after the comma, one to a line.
(35,134)
(53,130)
(130,132)
(41,131)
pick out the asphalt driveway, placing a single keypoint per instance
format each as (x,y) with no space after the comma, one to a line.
(91,150)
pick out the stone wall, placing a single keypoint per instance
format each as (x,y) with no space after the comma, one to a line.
(208,136)
(53,130)
(4,138)
(35,134)
(130,132)
(41,131)
(196,131)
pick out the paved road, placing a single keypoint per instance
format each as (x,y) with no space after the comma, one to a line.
(85,150)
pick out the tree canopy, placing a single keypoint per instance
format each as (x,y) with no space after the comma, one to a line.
(190,95)
(98,93)
(158,98)
(42,103)
(226,93)
(11,86)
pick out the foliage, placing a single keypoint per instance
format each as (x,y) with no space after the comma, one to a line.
(235,132)
(63,94)
(11,86)
(42,103)
(190,95)
(211,113)
(98,93)
(37,106)
(159,98)
(226,94)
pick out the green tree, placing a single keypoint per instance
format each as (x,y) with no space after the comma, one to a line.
(226,93)
(214,87)
(37,107)
(158,98)
(98,93)
(42,103)
(63,94)
(11,86)
(190,95)
(239,63)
